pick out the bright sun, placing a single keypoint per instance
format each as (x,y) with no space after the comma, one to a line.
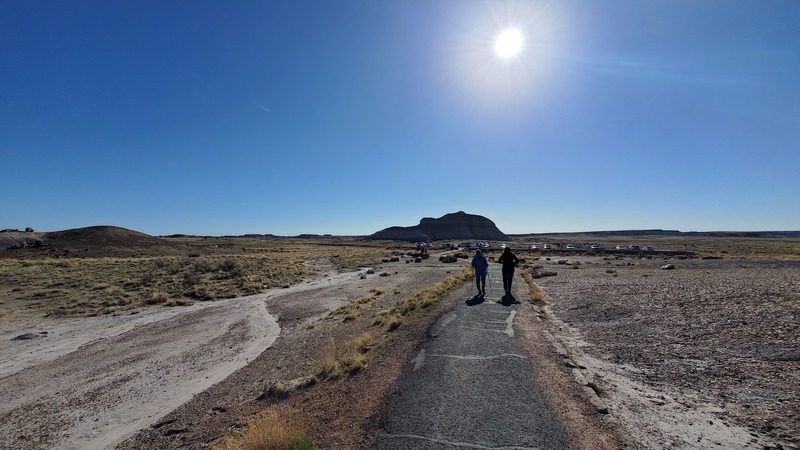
(509,43)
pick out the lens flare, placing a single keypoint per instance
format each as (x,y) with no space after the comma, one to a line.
(509,43)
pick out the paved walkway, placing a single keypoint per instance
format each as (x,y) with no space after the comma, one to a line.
(471,385)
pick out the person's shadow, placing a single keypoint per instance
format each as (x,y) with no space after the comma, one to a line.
(508,300)
(476,300)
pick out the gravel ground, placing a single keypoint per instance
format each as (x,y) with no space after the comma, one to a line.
(702,356)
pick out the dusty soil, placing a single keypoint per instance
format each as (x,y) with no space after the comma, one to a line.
(186,377)
(93,382)
(702,356)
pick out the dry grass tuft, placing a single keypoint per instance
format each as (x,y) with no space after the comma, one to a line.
(197,269)
(157,297)
(537,295)
(420,301)
(352,359)
(274,429)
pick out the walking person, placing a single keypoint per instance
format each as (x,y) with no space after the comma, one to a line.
(509,262)
(481,266)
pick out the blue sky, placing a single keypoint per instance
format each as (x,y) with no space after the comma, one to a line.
(347,117)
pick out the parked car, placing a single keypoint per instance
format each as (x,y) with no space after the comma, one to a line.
(503,246)
(535,247)
(570,246)
(647,248)
(634,248)
(621,247)
(595,247)
(547,246)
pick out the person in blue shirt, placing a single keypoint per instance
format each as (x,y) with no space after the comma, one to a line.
(481,266)
(509,262)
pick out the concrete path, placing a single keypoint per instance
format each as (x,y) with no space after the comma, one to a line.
(471,385)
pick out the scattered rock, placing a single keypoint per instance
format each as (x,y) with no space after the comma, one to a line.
(27,336)
(161,424)
(543,273)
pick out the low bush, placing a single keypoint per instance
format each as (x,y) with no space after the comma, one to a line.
(273,429)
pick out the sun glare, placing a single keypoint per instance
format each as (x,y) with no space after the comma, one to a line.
(509,43)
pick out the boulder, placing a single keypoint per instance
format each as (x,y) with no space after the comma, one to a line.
(543,273)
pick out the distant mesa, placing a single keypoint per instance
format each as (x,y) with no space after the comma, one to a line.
(101,236)
(89,241)
(459,225)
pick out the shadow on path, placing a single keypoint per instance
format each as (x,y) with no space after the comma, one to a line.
(508,300)
(476,300)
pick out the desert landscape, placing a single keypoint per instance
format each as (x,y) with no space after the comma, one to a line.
(117,339)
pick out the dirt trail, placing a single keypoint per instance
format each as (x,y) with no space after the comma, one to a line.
(92,382)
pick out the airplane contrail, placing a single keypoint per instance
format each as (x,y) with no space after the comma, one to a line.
(265,109)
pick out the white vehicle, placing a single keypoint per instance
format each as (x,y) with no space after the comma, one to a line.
(595,246)
(547,246)
(622,247)
(570,246)
(535,247)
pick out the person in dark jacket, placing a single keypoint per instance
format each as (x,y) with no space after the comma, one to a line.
(481,266)
(509,262)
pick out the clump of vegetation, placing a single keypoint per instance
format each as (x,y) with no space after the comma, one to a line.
(421,300)
(274,429)
(353,358)
(597,389)
(157,296)
(193,269)
(350,310)
(537,295)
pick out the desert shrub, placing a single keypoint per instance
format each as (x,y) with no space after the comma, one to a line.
(191,278)
(160,263)
(352,359)
(148,277)
(273,429)
(201,292)
(179,302)
(156,297)
(393,322)
(251,287)
(203,266)
(227,265)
